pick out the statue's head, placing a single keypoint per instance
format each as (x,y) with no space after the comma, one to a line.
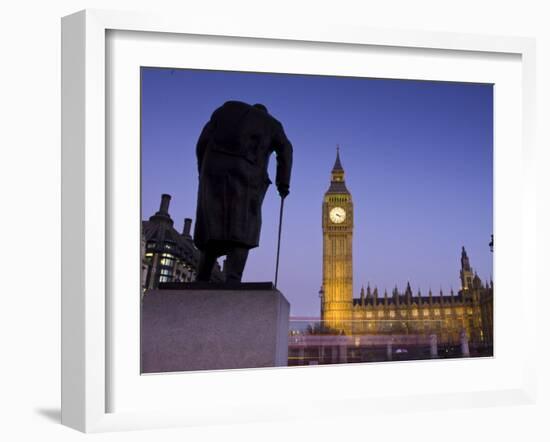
(261,107)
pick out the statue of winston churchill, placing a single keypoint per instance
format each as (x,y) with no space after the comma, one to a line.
(233,152)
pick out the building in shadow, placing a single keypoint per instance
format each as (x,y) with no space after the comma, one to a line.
(166,254)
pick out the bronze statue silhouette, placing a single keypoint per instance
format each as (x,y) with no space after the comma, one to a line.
(233,152)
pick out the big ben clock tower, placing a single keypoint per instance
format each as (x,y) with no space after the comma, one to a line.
(337,290)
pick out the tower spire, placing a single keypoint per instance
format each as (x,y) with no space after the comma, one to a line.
(464,260)
(337,164)
(337,181)
(466,273)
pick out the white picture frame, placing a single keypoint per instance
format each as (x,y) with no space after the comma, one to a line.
(87,206)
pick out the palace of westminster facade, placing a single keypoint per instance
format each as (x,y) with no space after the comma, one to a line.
(447,316)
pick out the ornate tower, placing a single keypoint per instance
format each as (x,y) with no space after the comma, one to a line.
(337,291)
(466,273)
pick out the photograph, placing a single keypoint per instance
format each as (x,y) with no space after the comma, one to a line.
(302,220)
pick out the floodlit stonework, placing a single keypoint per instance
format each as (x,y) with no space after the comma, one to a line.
(400,313)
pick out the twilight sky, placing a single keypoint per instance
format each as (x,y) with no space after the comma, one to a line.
(418,162)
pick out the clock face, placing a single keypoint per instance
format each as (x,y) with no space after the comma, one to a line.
(337,215)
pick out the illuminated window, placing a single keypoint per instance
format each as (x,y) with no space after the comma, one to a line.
(426,313)
(447,311)
(369,314)
(167,262)
(381,314)
(392,314)
(403,313)
(415,312)
(437,312)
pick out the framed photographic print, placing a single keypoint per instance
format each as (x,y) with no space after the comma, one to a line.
(253,212)
(438,157)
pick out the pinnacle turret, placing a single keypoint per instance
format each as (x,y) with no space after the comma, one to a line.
(465,261)
(466,273)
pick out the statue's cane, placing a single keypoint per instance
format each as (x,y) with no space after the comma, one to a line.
(279,240)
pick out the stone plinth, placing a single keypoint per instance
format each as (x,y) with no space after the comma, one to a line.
(198,329)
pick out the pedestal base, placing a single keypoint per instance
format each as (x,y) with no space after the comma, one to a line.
(184,330)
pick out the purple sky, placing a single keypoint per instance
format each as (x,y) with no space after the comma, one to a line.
(417,156)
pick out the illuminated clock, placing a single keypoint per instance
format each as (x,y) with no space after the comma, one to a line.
(337,215)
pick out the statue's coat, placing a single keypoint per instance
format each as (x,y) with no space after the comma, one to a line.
(233,153)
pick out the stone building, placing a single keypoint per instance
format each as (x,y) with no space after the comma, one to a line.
(166,254)
(401,313)
(445,315)
(337,221)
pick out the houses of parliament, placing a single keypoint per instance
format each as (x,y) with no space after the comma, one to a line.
(467,314)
